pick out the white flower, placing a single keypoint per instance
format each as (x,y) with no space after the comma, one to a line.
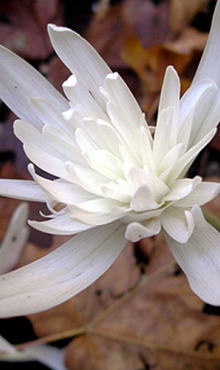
(116,180)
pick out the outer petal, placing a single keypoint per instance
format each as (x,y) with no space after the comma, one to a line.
(19,82)
(80,57)
(209,63)
(61,274)
(200,258)
(15,239)
(22,189)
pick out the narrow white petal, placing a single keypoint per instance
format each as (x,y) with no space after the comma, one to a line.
(179,224)
(48,355)
(98,212)
(44,353)
(52,141)
(60,225)
(22,189)
(120,95)
(200,258)
(47,162)
(146,149)
(103,135)
(15,239)
(125,130)
(170,91)
(209,63)
(182,165)
(61,274)
(161,145)
(166,164)
(49,114)
(63,191)
(81,99)
(169,98)
(10,353)
(66,145)
(194,107)
(19,82)
(80,57)
(196,92)
(5,346)
(89,179)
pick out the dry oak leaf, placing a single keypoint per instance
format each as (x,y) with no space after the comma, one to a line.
(158,324)
(150,63)
(23,26)
(189,40)
(149,22)
(183,12)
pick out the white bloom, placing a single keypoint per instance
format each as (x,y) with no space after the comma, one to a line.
(116,180)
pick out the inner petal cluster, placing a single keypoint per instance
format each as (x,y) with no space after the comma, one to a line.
(111,165)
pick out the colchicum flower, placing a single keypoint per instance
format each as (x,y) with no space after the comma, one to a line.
(115,179)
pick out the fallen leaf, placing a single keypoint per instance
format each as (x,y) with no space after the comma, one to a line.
(138,17)
(23,26)
(183,12)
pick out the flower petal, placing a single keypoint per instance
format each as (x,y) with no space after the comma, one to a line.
(63,191)
(203,193)
(209,63)
(48,355)
(184,162)
(179,224)
(181,188)
(44,353)
(19,82)
(60,225)
(48,114)
(143,200)
(170,91)
(200,258)
(194,107)
(136,231)
(169,100)
(81,59)
(81,99)
(22,189)
(63,273)
(15,239)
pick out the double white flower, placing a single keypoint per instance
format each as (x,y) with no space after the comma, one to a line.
(116,180)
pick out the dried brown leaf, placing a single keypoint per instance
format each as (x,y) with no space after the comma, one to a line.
(24,27)
(183,12)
